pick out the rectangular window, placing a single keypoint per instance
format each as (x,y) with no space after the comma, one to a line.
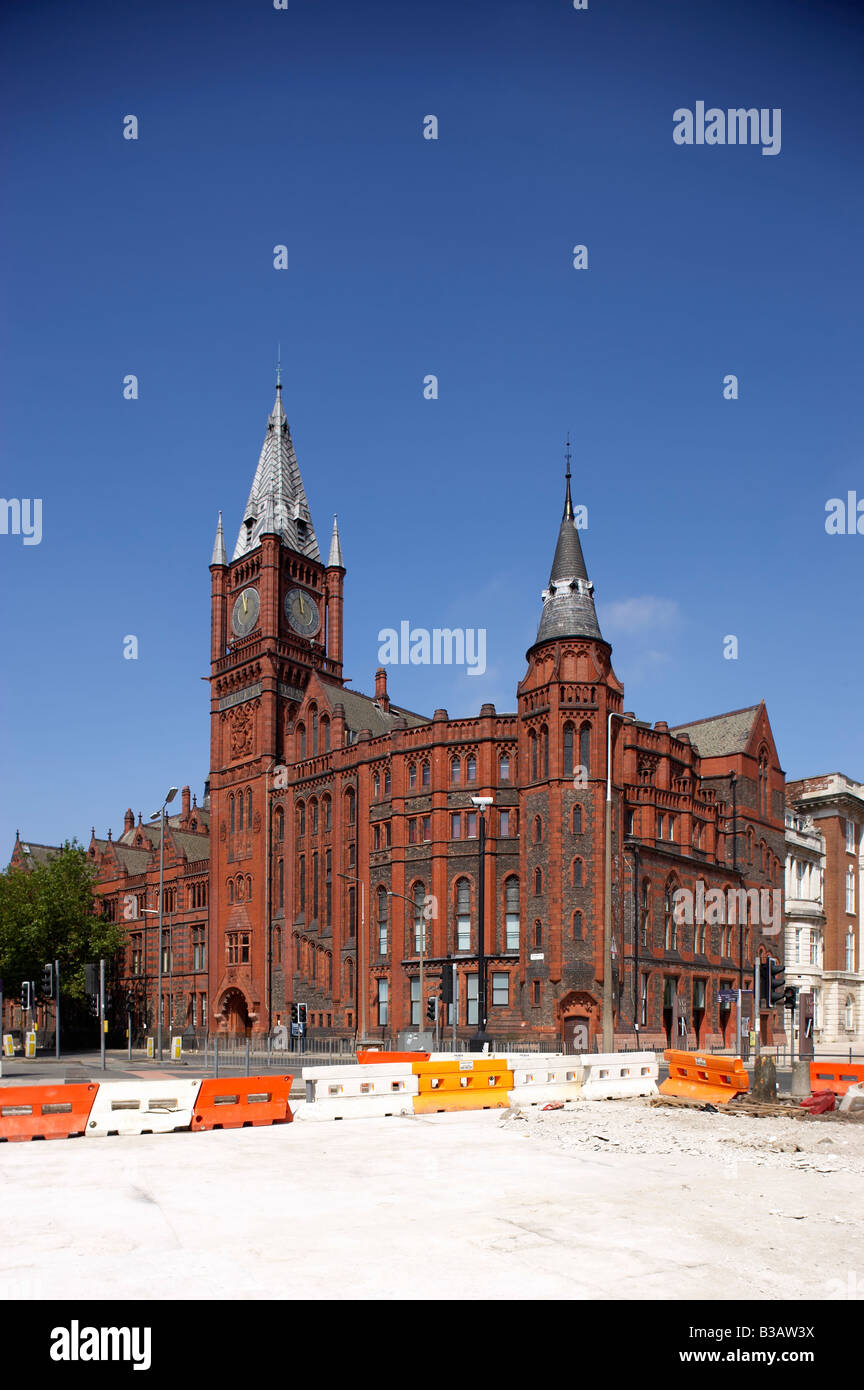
(415,1001)
(412,831)
(850,836)
(471,817)
(376,837)
(203,1010)
(535,992)
(671,827)
(504,768)
(643,1002)
(463,932)
(386,834)
(814,948)
(799,946)
(244,948)
(352,855)
(412,775)
(382,1002)
(500,988)
(471,995)
(456,826)
(850,890)
(661,825)
(511,921)
(427,828)
(850,952)
(504,824)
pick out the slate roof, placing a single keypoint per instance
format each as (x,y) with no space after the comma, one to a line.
(722,734)
(40,854)
(568,602)
(361,711)
(277,502)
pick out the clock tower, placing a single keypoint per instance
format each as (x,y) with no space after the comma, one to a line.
(276,617)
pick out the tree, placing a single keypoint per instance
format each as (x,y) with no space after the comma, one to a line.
(50,912)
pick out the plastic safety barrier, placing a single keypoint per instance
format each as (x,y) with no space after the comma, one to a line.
(835,1076)
(480,1084)
(616,1075)
(354,1092)
(142,1107)
(45,1112)
(236,1102)
(697,1076)
(541,1083)
(369,1057)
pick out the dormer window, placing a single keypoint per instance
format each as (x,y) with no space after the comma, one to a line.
(250,526)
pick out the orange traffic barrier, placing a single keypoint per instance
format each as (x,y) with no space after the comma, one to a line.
(835,1076)
(369,1058)
(453,1085)
(696,1076)
(45,1112)
(234,1102)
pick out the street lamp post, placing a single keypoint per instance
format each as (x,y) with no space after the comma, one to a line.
(160,816)
(481,1036)
(391,894)
(608,1040)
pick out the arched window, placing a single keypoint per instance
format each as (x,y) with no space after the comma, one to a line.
(763,782)
(750,838)
(849,1014)
(544,744)
(277,945)
(301,818)
(511,913)
(577,820)
(538,933)
(471,769)
(376,786)
(301,882)
(504,768)
(325,733)
(568,750)
(532,745)
(249,809)
(418,894)
(315,887)
(313,816)
(463,915)
(352,910)
(455,771)
(350,806)
(577,869)
(230,890)
(577,928)
(280,900)
(645,910)
(349,978)
(425,777)
(538,830)
(412,774)
(325,806)
(279,823)
(239,810)
(314,715)
(231,804)
(671,928)
(585,748)
(301,739)
(383,920)
(538,881)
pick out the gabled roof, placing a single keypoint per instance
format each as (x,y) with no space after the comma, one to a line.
(38,854)
(277,502)
(362,712)
(722,733)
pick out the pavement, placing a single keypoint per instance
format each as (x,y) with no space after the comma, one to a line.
(472,1205)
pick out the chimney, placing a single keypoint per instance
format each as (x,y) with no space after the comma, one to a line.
(129,821)
(381,688)
(185,803)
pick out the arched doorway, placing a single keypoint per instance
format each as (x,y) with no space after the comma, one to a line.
(235,1013)
(580,1020)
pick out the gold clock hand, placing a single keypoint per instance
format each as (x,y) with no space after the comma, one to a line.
(245,603)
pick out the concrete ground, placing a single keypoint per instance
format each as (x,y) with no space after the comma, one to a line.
(613,1200)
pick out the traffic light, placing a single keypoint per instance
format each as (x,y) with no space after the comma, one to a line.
(791,999)
(447,984)
(301,1015)
(764,969)
(47,981)
(777,983)
(294,1014)
(432,1008)
(25,995)
(91,979)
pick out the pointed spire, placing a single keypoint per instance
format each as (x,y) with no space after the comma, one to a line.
(277,482)
(219,556)
(568,602)
(335,557)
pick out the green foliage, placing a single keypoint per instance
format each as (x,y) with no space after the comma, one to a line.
(49,912)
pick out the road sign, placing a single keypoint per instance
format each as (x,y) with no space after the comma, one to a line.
(727,996)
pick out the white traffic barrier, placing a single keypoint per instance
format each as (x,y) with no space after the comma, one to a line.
(538,1084)
(614,1075)
(142,1107)
(354,1091)
(853,1100)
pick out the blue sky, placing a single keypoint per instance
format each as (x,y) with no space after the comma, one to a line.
(408,257)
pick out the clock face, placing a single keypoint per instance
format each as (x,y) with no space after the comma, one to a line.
(245,614)
(301,610)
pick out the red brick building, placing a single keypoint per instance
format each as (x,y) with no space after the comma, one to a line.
(340,823)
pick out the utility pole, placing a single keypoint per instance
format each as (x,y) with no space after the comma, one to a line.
(57,1008)
(102,1012)
(608,1038)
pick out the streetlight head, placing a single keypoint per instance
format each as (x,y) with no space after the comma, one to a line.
(171,795)
(482,801)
